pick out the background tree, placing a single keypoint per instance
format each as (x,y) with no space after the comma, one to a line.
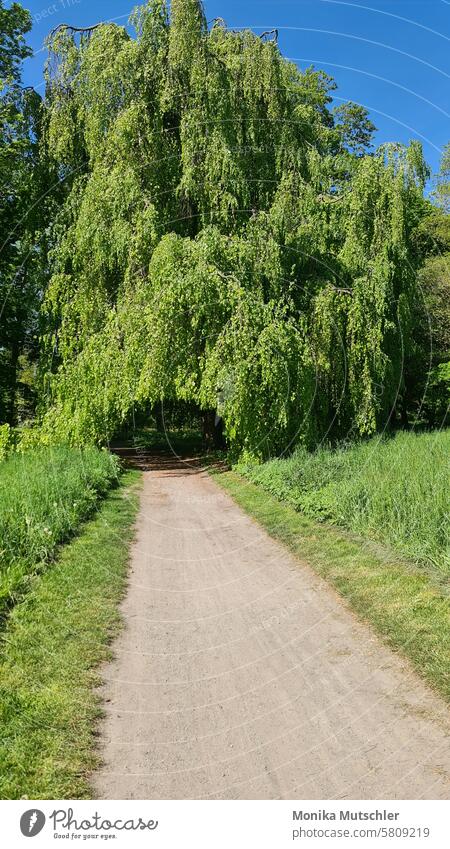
(21,214)
(442,189)
(429,369)
(354,126)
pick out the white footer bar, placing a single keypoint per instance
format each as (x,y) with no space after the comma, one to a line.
(226,824)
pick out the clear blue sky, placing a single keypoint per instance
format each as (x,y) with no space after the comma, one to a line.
(393,56)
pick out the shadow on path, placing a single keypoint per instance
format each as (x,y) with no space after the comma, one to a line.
(167,461)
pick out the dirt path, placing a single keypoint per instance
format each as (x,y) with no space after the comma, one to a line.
(240,674)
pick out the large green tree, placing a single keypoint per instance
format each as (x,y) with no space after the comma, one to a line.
(21,208)
(224,240)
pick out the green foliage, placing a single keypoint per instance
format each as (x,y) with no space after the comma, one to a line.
(54,643)
(427,369)
(219,243)
(442,189)
(44,495)
(437,396)
(435,284)
(394,491)
(22,219)
(5,441)
(14,23)
(355,127)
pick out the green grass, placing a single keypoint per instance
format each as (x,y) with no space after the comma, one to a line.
(52,646)
(404,606)
(44,495)
(393,491)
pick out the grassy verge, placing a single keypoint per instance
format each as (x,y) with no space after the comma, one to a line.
(44,496)
(52,646)
(401,602)
(393,491)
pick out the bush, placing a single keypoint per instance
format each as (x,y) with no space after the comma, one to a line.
(5,441)
(393,491)
(44,495)
(436,401)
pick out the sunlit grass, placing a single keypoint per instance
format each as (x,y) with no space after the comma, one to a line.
(51,649)
(44,495)
(394,491)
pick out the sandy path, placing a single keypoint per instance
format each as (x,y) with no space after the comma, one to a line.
(240,674)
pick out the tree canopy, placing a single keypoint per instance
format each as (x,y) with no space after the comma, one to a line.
(22,180)
(223,238)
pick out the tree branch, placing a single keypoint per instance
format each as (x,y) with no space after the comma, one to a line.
(342,291)
(269,32)
(329,198)
(75,29)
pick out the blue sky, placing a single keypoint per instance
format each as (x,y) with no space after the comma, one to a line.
(390,55)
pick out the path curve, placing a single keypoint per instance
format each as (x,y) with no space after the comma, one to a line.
(240,674)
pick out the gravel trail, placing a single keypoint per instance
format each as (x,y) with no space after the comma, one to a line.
(240,674)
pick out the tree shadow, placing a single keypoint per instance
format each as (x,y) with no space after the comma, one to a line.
(168,462)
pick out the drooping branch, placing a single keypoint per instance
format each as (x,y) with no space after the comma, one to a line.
(340,291)
(269,35)
(72,28)
(329,198)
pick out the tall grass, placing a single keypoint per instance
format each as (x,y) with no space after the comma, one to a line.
(44,495)
(394,491)
(54,641)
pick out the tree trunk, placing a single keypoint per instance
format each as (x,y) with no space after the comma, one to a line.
(159,416)
(212,427)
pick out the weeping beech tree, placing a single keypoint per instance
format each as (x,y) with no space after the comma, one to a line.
(219,241)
